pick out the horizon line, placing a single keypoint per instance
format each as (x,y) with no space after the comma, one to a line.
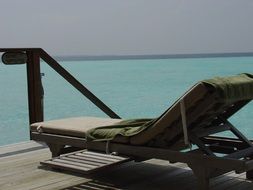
(151,56)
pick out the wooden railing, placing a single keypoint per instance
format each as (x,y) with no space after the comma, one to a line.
(35,94)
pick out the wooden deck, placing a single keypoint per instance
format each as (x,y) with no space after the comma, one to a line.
(19,169)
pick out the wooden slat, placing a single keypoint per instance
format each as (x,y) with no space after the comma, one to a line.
(102,157)
(86,166)
(85,161)
(81,161)
(94,157)
(65,166)
(89,159)
(106,155)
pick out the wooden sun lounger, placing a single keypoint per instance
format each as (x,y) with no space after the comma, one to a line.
(206,119)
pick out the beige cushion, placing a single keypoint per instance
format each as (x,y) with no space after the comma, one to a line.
(76,126)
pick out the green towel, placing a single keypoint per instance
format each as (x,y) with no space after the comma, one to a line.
(125,128)
(233,88)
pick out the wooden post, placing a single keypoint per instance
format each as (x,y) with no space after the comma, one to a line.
(35,99)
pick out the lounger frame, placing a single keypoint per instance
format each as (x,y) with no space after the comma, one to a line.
(204,166)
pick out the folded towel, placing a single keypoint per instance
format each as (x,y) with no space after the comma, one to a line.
(233,88)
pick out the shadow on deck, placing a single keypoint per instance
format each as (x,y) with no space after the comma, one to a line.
(159,175)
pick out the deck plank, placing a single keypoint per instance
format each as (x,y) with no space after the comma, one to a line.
(17,148)
(19,170)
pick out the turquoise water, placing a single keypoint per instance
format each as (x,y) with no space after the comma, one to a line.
(132,88)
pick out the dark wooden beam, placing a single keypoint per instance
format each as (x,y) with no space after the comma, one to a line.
(74,82)
(224,141)
(241,154)
(236,132)
(19,49)
(195,140)
(34,87)
(222,149)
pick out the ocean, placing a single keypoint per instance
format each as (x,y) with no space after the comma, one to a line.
(140,88)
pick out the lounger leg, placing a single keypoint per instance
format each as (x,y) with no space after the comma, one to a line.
(55,149)
(249,174)
(202,175)
(203,183)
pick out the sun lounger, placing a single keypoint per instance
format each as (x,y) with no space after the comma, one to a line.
(194,119)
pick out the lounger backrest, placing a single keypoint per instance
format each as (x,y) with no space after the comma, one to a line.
(203,107)
(172,117)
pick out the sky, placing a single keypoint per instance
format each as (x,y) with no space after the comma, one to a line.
(128,27)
